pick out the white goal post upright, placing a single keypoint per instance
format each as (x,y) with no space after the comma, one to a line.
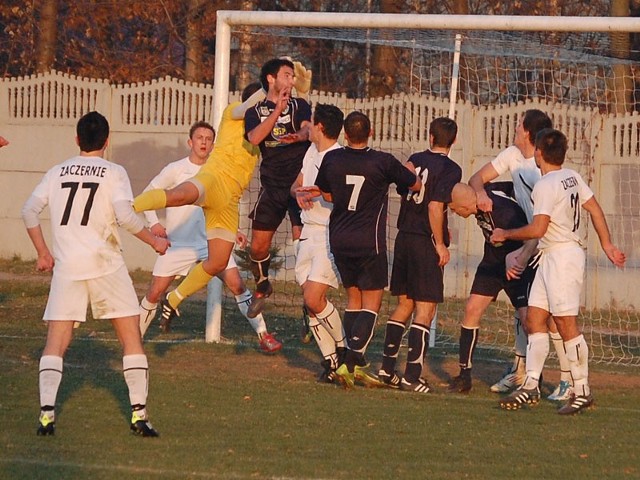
(226,19)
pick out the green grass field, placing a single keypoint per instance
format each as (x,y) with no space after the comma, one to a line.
(228,411)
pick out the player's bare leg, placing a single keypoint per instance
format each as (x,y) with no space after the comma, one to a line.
(149,303)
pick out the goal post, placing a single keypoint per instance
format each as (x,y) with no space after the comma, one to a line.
(228,18)
(561,65)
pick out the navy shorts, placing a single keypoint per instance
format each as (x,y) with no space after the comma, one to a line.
(490,279)
(366,273)
(416,272)
(271,207)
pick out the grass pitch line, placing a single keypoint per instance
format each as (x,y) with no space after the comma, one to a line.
(138,470)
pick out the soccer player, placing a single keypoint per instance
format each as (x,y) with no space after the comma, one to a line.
(420,254)
(186,232)
(88,198)
(556,289)
(490,276)
(315,268)
(519,162)
(217,188)
(279,126)
(356,179)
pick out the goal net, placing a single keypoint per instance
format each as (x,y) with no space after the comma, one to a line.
(586,82)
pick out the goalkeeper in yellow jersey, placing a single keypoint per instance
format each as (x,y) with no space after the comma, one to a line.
(217,188)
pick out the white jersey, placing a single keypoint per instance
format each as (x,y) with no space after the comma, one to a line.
(321,210)
(185,225)
(559,194)
(81,193)
(524,173)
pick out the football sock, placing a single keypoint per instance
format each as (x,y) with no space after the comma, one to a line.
(325,342)
(150,200)
(468,341)
(418,342)
(331,321)
(559,345)
(363,331)
(260,268)
(392,340)
(520,345)
(578,356)
(147,314)
(348,321)
(257,323)
(194,281)
(136,375)
(537,352)
(49,377)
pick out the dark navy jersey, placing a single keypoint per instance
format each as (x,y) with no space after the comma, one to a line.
(359,180)
(281,162)
(439,174)
(506,214)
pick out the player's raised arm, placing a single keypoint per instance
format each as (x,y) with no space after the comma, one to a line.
(617,257)
(477,181)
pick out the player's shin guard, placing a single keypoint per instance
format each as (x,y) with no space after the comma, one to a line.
(147,314)
(330,319)
(520,346)
(563,360)
(257,323)
(49,378)
(136,375)
(392,340)
(260,268)
(468,341)
(325,342)
(150,200)
(348,320)
(578,356)
(418,343)
(194,281)
(362,334)
(537,352)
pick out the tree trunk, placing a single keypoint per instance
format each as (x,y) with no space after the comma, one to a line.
(193,54)
(384,62)
(621,85)
(245,52)
(46,49)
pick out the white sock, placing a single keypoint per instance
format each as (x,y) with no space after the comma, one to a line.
(331,321)
(559,345)
(257,323)
(50,376)
(147,314)
(520,345)
(136,374)
(537,352)
(325,341)
(578,356)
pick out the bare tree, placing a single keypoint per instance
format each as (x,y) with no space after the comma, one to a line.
(193,42)
(384,62)
(46,48)
(621,85)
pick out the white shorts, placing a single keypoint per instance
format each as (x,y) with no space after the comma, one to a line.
(178,261)
(314,260)
(111,296)
(558,283)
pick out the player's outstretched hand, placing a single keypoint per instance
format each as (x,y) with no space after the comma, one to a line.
(302,82)
(617,257)
(160,245)
(305,196)
(498,236)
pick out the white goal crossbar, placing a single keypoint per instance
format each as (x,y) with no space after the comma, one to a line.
(226,19)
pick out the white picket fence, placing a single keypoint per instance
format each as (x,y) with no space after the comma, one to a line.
(149,124)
